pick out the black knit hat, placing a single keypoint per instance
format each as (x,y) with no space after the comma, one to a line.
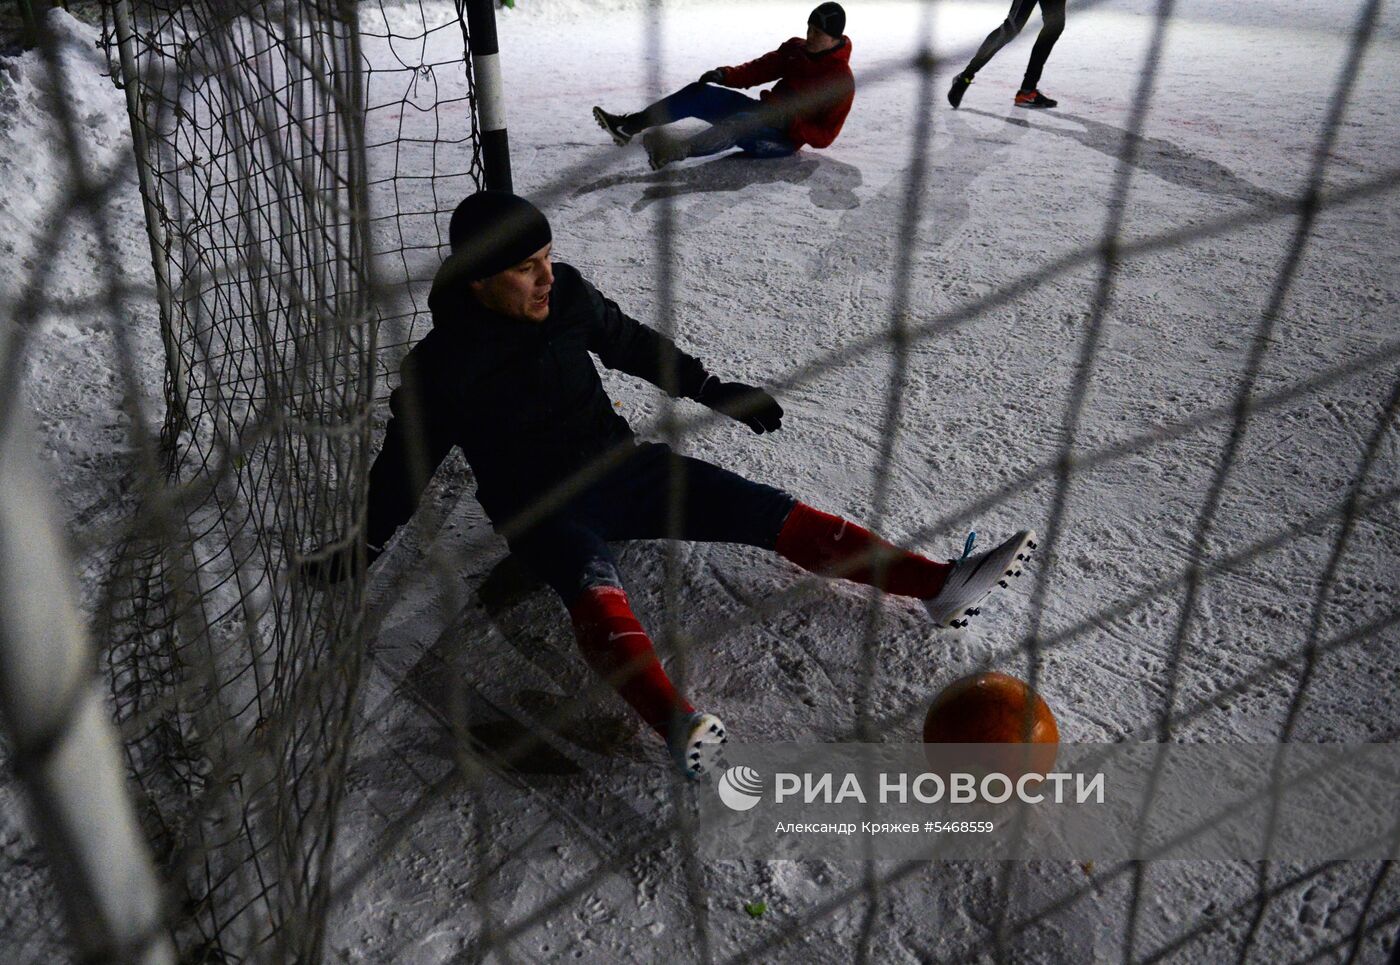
(830,19)
(490,231)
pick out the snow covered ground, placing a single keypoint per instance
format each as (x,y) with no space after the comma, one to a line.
(779,268)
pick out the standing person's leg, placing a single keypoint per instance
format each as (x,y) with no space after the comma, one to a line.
(1053,11)
(1005,32)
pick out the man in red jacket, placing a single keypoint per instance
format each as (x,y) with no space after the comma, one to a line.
(808,105)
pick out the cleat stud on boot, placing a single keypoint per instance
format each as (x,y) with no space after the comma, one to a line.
(694,744)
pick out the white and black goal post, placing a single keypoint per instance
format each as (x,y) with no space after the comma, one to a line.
(490,99)
(63,746)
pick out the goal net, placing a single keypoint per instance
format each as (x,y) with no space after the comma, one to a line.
(289,271)
(298,161)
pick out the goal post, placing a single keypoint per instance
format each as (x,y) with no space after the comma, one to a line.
(491,105)
(63,746)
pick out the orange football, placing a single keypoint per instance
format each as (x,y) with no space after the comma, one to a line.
(995,708)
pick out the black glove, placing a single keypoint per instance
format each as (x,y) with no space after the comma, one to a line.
(715,76)
(753,407)
(335,567)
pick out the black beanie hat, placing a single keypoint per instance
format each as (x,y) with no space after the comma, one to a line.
(492,230)
(830,19)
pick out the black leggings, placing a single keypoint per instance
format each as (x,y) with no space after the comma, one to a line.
(1053,13)
(569,549)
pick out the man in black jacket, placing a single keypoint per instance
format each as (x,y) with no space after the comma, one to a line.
(506,375)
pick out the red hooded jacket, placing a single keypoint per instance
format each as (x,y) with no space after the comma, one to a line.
(823,80)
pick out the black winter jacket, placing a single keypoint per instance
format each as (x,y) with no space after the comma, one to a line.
(522,400)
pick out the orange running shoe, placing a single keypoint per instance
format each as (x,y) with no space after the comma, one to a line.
(1034,98)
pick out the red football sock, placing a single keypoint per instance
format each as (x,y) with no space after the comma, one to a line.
(822,543)
(615,646)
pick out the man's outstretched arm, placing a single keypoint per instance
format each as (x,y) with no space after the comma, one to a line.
(625,344)
(763,70)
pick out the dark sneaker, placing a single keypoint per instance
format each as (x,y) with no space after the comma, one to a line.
(959,88)
(613,124)
(1034,98)
(664,149)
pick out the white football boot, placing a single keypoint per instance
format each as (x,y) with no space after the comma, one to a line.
(975,576)
(697,744)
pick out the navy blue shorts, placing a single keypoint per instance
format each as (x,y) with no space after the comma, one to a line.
(569,548)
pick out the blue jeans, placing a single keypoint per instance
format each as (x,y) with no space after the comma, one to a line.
(569,548)
(738,120)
